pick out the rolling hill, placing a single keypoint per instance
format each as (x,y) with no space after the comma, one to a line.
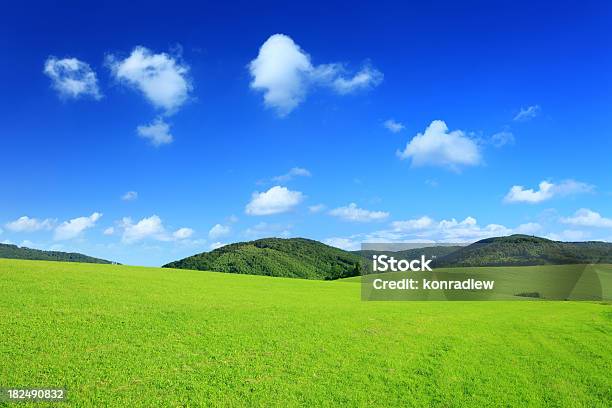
(15,252)
(293,257)
(309,259)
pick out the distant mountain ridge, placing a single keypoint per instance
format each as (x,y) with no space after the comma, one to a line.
(15,252)
(309,259)
(523,250)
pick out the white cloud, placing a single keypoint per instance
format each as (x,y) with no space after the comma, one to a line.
(158,132)
(519,194)
(27,224)
(274,201)
(74,227)
(281,71)
(426,229)
(502,138)
(162,78)
(393,126)
(316,208)
(588,218)
(130,196)
(264,229)
(364,79)
(527,113)
(410,225)
(216,245)
(529,228)
(569,235)
(546,191)
(109,231)
(439,147)
(148,227)
(72,78)
(183,233)
(356,214)
(218,231)
(291,174)
(343,243)
(285,73)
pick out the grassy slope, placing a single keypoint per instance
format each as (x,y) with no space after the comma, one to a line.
(139,336)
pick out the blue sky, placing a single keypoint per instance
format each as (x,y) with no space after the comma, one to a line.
(345,124)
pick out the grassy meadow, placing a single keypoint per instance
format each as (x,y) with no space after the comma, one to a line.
(134,336)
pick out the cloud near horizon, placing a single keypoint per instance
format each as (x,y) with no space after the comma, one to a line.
(585,217)
(75,227)
(426,229)
(285,74)
(27,224)
(355,214)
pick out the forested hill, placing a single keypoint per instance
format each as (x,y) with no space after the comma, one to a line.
(308,259)
(527,250)
(293,257)
(15,252)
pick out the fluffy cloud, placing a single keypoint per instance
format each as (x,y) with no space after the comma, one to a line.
(343,243)
(150,228)
(356,214)
(109,231)
(439,147)
(519,194)
(183,233)
(264,229)
(569,235)
(546,190)
(161,78)
(72,78)
(527,113)
(529,228)
(411,225)
(74,227)
(218,231)
(274,201)
(27,224)
(291,174)
(368,77)
(285,73)
(130,196)
(393,126)
(425,229)
(588,218)
(158,132)
(216,245)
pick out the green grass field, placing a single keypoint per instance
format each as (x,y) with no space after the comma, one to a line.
(133,336)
